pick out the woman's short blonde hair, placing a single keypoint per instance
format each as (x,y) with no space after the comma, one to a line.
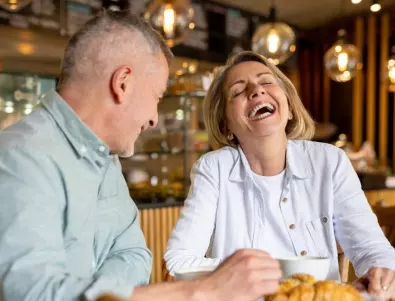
(301,126)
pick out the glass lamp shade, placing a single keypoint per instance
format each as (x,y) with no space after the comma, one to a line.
(173,19)
(14,5)
(342,60)
(274,40)
(391,72)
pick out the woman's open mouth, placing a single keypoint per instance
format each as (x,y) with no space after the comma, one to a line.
(261,111)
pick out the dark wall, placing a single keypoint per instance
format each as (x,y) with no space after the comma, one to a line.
(340,95)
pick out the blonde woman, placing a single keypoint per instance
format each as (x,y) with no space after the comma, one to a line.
(267,187)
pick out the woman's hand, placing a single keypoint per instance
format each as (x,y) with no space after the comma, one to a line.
(379,282)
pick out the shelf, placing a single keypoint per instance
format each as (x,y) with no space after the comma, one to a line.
(179,142)
(145,156)
(201,94)
(156,205)
(158,132)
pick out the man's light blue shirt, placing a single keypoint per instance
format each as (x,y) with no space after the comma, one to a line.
(68,227)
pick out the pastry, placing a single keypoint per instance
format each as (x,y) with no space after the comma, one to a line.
(303,287)
(288,284)
(305,278)
(302,292)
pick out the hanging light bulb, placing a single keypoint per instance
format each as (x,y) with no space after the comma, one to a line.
(375,7)
(172,18)
(274,40)
(169,18)
(342,60)
(391,71)
(14,5)
(356,1)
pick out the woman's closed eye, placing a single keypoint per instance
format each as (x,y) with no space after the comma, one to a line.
(237,93)
(242,90)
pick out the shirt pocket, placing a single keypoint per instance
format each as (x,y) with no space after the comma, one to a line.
(318,230)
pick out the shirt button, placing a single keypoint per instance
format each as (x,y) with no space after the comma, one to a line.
(99,164)
(102,149)
(303,253)
(284,200)
(83,149)
(324,219)
(292,226)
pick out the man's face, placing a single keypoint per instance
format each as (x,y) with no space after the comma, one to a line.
(143,89)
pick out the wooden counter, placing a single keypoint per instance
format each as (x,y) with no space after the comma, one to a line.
(157,222)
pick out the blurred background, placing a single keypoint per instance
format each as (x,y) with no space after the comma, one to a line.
(340,55)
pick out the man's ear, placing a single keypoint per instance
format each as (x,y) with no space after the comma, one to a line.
(120,82)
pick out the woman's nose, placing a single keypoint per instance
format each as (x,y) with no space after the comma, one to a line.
(256,90)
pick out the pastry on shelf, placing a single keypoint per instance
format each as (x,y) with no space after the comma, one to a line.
(176,190)
(303,287)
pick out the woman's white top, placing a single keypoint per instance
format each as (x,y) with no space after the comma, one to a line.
(319,200)
(275,229)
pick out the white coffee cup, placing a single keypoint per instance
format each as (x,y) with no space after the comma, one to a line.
(192,273)
(314,266)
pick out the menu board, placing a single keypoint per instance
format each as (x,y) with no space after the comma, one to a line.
(200,17)
(80,11)
(32,14)
(237,25)
(197,39)
(64,16)
(77,15)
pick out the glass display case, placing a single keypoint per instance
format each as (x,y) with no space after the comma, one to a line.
(159,171)
(20,95)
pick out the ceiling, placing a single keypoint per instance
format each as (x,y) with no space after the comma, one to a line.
(306,14)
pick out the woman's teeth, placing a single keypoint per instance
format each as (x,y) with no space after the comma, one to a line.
(261,116)
(261,111)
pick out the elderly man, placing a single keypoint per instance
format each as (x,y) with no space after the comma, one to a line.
(68,228)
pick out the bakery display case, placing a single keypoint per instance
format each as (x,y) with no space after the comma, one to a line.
(159,170)
(20,94)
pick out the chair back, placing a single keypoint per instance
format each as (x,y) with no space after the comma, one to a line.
(344,264)
(386,218)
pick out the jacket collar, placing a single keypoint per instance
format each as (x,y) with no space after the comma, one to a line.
(298,163)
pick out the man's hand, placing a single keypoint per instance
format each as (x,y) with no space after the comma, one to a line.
(247,275)
(379,282)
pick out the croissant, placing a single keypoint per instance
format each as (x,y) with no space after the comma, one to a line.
(303,287)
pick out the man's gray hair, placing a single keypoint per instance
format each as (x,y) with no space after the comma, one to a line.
(111,36)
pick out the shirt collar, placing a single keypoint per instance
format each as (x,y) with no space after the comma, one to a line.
(76,131)
(298,163)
